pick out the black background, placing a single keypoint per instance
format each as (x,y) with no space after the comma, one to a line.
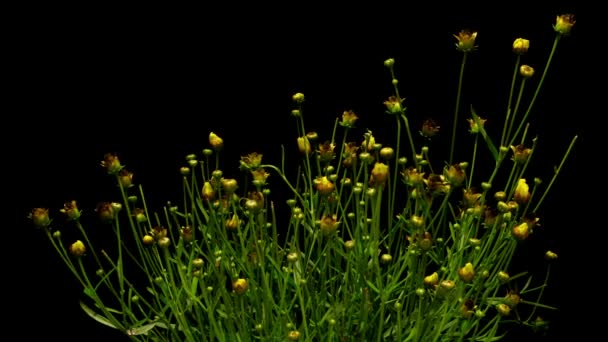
(151,83)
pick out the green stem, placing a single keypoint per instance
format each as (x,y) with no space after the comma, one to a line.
(504,127)
(540,83)
(457,107)
(561,164)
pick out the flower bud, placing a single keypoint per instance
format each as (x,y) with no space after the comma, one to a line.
(240,286)
(389,63)
(549,255)
(304,145)
(521,231)
(293,335)
(298,98)
(292,257)
(387,153)
(198,262)
(503,309)
(148,240)
(349,245)
(379,174)
(215,141)
(78,249)
(503,277)
(521,46)
(432,279)
(526,71)
(467,273)
(208,192)
(164,242)
(324,185)
(522,192)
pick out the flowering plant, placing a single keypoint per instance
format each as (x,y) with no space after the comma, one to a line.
(381,242)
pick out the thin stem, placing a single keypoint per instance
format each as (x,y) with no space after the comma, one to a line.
(503,137)
(457,107)
(561,164)
(540,83)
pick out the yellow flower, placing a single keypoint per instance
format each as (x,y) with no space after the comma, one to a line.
(240,286)
(526,71)
(215,141)
(431,279)
(467,273)
(521,46)
(522,192)
(521,231)
(77,248)
(304,145)
(298,97)
(208,191)
(324,185)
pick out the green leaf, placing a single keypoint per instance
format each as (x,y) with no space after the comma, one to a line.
(99,318)
(143,330)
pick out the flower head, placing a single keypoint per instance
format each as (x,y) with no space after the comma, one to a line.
(393,105)
(329,224)
(125,178)
(474,126)
(348,119)
(349,156)
(70,209)
(521,154)
(40,217)
(563,24)
(429,128)
(465,41)
(326,151)
(111,163)
(455,175)
(251,161)
(106,212)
